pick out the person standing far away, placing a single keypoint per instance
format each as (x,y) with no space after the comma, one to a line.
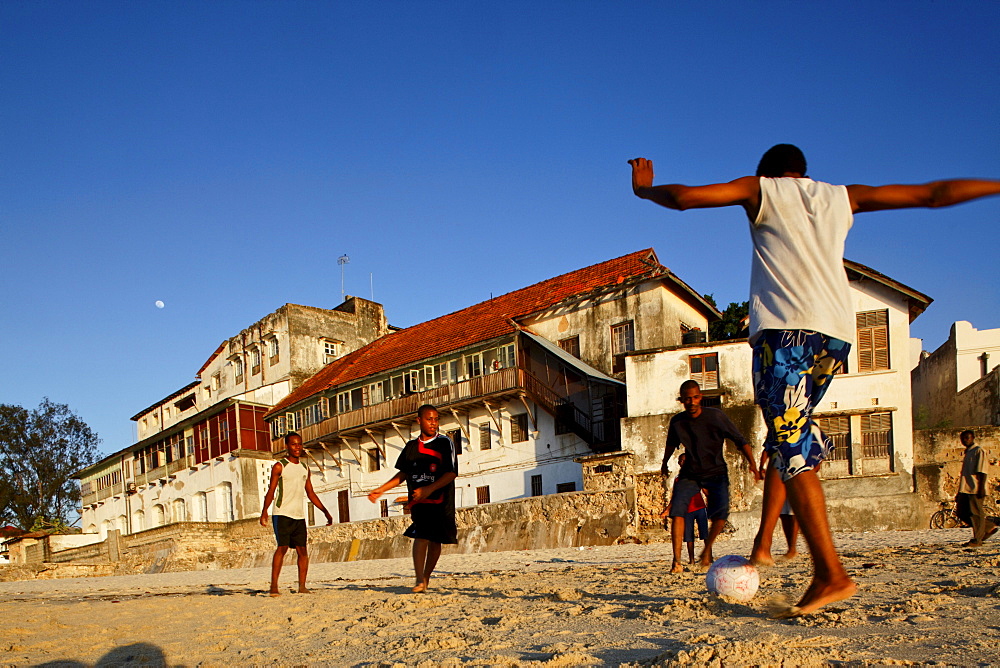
(972,490)
(801,320)
(702,431)
(429,467)
(290,485)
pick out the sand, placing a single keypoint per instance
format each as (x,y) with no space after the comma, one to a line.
(923,598)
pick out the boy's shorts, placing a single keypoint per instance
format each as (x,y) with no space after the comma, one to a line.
(289,532)
(717,503)
(792,370)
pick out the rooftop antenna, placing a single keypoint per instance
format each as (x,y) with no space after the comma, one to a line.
(342,260)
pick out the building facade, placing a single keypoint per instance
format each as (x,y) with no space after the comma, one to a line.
(524,383)
(203,451)
(867,410)
(958,385)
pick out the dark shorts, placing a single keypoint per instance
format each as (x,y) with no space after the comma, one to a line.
(699,517)
(289,532)
(432,522)
(717,503)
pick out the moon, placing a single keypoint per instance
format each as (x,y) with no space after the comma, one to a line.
(159,304)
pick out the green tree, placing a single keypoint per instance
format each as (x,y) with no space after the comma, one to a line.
(731,325)
(40,450)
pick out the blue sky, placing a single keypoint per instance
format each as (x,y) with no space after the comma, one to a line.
(220,156)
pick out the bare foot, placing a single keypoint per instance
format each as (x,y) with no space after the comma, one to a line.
(419,588)
(818,595)
(788,556)
(676,568)
(303,590)
(274,592)
(761,558)
(706,560)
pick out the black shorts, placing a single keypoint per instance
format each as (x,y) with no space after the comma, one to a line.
(717,487)
(432,522)
(289,532)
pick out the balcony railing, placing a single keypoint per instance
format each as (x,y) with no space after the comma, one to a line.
(499,382)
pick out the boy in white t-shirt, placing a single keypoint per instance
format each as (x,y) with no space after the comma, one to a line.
(800,319)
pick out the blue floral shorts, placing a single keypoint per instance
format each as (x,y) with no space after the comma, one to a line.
(792,370)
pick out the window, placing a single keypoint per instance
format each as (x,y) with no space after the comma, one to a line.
(483,494)
(374,463)
(506,356)
(622,341)
(180,511)
(343,506)
(343,402)
(838,429)
(183,404)
(876,435)
(484,436)
(330,350)
(383,506)
(536,485)
(604,468)
(201,507)
(216,381)
(519,428)
(456,440)
(473,365)
(238,370)
(278,427)
(226,512)
(254,361)
(376,395)
(224,430)
(873,340)
(705,370)
(565,487)
(571,345)
(273,350)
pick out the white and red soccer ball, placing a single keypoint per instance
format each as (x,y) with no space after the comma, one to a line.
(734,577)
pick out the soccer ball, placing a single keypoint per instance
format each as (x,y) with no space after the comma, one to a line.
(734,577)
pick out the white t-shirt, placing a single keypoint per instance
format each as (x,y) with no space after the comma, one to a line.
(290,497)
(797,279)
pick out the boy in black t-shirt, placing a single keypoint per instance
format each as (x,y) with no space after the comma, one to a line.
(702,432)
(429,467)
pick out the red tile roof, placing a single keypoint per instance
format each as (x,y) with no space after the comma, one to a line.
(480,322)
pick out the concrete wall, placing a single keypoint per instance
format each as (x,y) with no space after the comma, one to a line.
(979,403)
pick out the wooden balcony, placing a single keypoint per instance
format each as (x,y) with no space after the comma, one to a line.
(499,385)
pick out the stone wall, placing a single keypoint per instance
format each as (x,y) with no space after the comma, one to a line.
(599,517)
(938,454)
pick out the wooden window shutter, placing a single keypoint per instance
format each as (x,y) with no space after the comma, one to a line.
(873,340)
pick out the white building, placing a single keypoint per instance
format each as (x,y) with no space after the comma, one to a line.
(524,383)
(958,385)
(867,410)
(203,450)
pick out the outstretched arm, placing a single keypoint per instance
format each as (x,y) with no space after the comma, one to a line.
(927,195)
(743,191)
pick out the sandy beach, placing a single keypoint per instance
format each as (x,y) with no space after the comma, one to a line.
(923,598)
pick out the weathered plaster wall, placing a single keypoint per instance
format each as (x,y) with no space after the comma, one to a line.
(656,313)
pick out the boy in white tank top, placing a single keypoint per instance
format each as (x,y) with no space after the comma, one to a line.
(289,488)
(800,322)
